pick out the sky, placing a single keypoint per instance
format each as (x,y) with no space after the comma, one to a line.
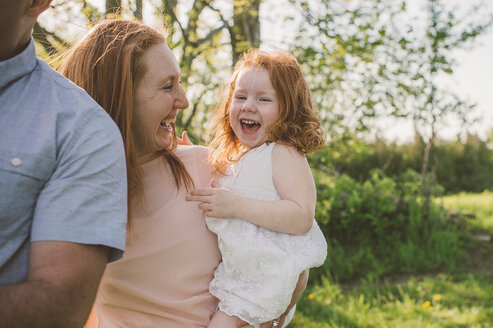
(472,78)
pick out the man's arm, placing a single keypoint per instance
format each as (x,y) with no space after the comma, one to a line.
(60,289)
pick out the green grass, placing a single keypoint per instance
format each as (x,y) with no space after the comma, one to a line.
(481,205)
(455,298)
(434,301)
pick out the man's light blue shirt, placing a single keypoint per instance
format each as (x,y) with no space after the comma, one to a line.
(62,165)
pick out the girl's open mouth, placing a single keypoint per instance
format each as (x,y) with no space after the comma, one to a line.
(249,126)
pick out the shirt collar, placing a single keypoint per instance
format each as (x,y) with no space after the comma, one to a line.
(16,67)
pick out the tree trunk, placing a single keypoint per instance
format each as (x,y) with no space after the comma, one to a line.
(246,29)
(113,7)
(427,181)
(138,10)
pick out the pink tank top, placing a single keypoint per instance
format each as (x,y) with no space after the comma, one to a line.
(163,277)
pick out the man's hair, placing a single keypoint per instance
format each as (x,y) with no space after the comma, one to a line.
(297,124)
(108,64)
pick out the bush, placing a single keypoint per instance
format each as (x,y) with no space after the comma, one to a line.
(376,227)
(460,165)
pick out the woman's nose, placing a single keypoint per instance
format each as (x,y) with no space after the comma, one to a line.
(182,101)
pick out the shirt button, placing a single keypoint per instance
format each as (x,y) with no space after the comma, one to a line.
(15,161)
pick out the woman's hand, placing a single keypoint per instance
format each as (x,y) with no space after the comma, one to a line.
(242,324)
(300,288)
(215,202)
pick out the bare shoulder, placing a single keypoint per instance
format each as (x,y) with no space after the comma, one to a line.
(283,154)
(192,152)
(292,176)
(195,159)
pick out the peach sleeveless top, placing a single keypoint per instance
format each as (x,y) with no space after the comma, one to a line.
(163,277)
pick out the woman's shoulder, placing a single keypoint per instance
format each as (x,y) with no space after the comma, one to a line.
(195,159)
(191,152)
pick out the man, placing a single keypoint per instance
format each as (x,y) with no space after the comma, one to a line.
(62,185)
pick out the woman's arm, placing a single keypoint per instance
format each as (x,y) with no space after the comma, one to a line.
(300,288)
(292,214)
(298,291)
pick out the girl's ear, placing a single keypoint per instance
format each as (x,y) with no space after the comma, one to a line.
(36,7)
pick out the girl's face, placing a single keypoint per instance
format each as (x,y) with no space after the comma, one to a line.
(158,96)
(254,107)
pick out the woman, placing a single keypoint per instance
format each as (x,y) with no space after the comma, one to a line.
(163,278)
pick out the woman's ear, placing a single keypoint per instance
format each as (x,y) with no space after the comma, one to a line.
(35,7)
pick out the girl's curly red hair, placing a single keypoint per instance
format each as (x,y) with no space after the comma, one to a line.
(297,124)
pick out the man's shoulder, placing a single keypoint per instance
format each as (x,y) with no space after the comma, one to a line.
(65,89)
(50,75)
(71,100)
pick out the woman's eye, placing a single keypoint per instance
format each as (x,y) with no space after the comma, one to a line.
(167,87)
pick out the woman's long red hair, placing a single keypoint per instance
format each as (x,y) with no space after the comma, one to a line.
(108,64)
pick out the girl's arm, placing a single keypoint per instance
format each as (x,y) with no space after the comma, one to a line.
(292,214)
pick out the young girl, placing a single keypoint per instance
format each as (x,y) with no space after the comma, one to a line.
(263,207)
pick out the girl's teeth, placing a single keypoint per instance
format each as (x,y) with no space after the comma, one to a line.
(248,122)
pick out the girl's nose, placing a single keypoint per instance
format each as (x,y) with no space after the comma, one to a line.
(249,106)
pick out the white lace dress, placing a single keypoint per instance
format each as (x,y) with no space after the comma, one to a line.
(260,267)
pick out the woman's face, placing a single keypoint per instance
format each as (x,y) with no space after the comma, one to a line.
(157,98)
(254,107)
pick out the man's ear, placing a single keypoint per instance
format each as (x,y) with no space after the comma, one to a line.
(36,7)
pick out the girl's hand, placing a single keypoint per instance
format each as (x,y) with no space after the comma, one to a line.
(215,202)
(184,139)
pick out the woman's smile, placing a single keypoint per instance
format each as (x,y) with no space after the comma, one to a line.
(158,97)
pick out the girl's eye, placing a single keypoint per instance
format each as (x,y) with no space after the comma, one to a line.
(241,97)
(265,99)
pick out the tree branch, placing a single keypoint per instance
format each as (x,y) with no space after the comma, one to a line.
(39,35)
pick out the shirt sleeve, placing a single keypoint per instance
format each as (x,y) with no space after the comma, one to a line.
(85,199)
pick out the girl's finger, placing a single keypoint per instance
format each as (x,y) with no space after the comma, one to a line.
(205,207)
(202,199)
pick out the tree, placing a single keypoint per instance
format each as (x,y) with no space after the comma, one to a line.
(245,33)
(345,48)
(370,59)
(202,45)
(431,55)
